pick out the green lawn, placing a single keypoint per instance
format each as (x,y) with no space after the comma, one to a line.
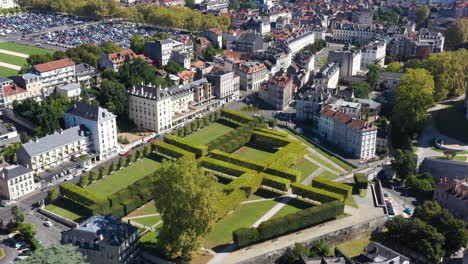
(148,221)
(7,72)
(452,122)
(149,243)
(245,216)
(263,194)
(354,248)
(146,209)
(457,158)
(29,50)
(68,209)
(306,168)
(7,58)
(124,177)
(252,153)
(293,206)
(209,133)
(323,162)
(351,202)
(328,175)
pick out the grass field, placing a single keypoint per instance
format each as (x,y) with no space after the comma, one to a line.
(68,209)
(12,59)
(451,122)
(148,242)
(124,177)
(148,221)
(146,209)
(293,206)
(245,216)
(306,168)
(354,248)
(7,72)
(328,175)
(457,158)
(252,153)
(29,50)
(209,133)
(323,162)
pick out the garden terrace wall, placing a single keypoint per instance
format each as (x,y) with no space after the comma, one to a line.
(272,132)
(361,180)
(239,117)
(222,166)
(290,174)
(336,187)
(270,140)
(287,156)
(236,138)
(315,194)
(79,195)
(171,151)
(275,182)
(199,150)
(247,163)
(247,182)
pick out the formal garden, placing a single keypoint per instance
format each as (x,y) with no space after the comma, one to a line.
(264,179)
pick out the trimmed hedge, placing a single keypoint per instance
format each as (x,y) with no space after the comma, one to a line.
(250,164)
(245,236)
(289,223)
(361,180)
(231,114)
(229,202)
(171,151)
(290,174)
(272,132)
(270,140)
(222,166)
(247,182)
(315,194)
(336,187)
(199,150)
(79,195)
(235,138)
(288,155)
(275,182)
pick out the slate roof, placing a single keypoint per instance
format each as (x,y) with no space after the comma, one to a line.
(88,111)
(14,171)
(379,253)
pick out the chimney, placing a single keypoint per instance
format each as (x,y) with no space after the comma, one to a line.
(36,139)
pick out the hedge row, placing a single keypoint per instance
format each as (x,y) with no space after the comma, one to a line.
(250,164)
(361,180)
(235,138)
(289,223)
(197,124)
(222,166)
(79,195)
(229,202)
(290,174)
(288,155)
(315,194)
(270,140)
(171,151)
(247,182)
(236,116)
(275,182)
(272,132)
(336,187)
(199,150)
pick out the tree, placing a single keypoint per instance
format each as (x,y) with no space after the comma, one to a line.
(103,171)
(413,98)
(113,96)
(122,162)
(24,137)
(173,67)
(320,250)
(18,216)
(147,150)
(93,175)
(139,153)
(9,153)
(404,163)
(373,75)
(26,231)
(361,89)
(316,46)
(382,123)
(190,4)
(450,154)
(200,123)
(187,199)
(52,194)
(456,35)
(131,158)
(273,122)
(113,167)
(56,254)
(394,67)
(210,52)
(423,14)
(84,180)
(422,183)
(137,43)
(154,146)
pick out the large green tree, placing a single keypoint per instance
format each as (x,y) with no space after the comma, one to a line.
(113,96)
(412,99)
(137,43)
(56,254)
(422,183)
(423,14)
(373,75)
(361,89)
(404,163)
(456,35)
(187,198)
(26,231)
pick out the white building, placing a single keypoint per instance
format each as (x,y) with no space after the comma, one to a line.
(54,74)
(71,90)
(353,33)
(226,85)
(101,124)
(16,181)
(7,133)
(328,76)
(6,4)
(165,50)
(252,74)
(349,61)
(352,135)
(374,53)
(298,41)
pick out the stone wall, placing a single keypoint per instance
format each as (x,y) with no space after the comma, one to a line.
(440,168)
(357,231)
(59,218)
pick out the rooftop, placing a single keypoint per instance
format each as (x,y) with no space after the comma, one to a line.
(54,65)
(88,111)
(12,89)
(13,171)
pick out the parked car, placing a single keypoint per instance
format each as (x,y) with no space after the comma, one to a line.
(408,211)
(19,244)
(386,194)
(48,223)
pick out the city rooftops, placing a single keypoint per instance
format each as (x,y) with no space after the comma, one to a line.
(70,87)
(157,93)
(54,65)
(379,253)
(13,171)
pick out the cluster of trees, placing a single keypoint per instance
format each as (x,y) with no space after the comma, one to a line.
(137,42)
(12,11)
(433,232)
(373,75)
(456,35)
(26,230)
(361,89)
(383,16)
(9,152)
(294,255)
(48,114)
(173,67)
(210,52)
(86,8)
(404,163)
(316,46)
(423,14)
(421,183)
(197,124)
(239,4)
(56,254)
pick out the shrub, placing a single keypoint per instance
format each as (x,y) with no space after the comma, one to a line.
(52,194)
(247,182)
(139,153)
(288,155)
(273,122)
(229,202)
(361,180)
(199,150)
(222,166)
(79,194)
(171,151)
(35,245)
(93,175)
(84,180)
(275,182)
(270,140)
(331,186)
(245,236)
(236,116)
(103,171)
(147,150)
(250,164)
(292,175)
(315,194)
(272,132)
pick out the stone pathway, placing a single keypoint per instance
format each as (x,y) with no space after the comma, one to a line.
(273,211)
(17,54)
(140,216)
(316,173)
(10,66)
(321,166)
(258,200)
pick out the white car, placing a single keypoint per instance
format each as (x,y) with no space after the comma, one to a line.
(48,223)
(69,178)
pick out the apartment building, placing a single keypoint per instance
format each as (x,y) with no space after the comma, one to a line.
(248,42)
(349,61)
(452,194)
(162,51)
(353,33)
(298,41)
(115,60)
(105,239)
(374,53)
(252,74)
(278,92)
(47,152)
(159,109)
(3,82)
(101,124)
(215,35)
(16,181)
(352,135)
(226,85)
(85,73)
(54,74)
(328,76)
(32,83)
(71,90)
(6,4)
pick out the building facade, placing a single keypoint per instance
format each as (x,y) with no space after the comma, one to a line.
(278,92)
(226,85)
(328,76)
(252,74)
(54,74)
(374,53)
(16,181)
(115,60)
(452,194)
(349,61)
(353,33)
(6,4)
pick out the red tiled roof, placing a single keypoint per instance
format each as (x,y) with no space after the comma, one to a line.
(121,56)
(12,89)
(232,54)
(217,31)
(280,81)
(186,75)
(53,65)
(345,119)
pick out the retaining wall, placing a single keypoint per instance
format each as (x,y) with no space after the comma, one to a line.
(59,218)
